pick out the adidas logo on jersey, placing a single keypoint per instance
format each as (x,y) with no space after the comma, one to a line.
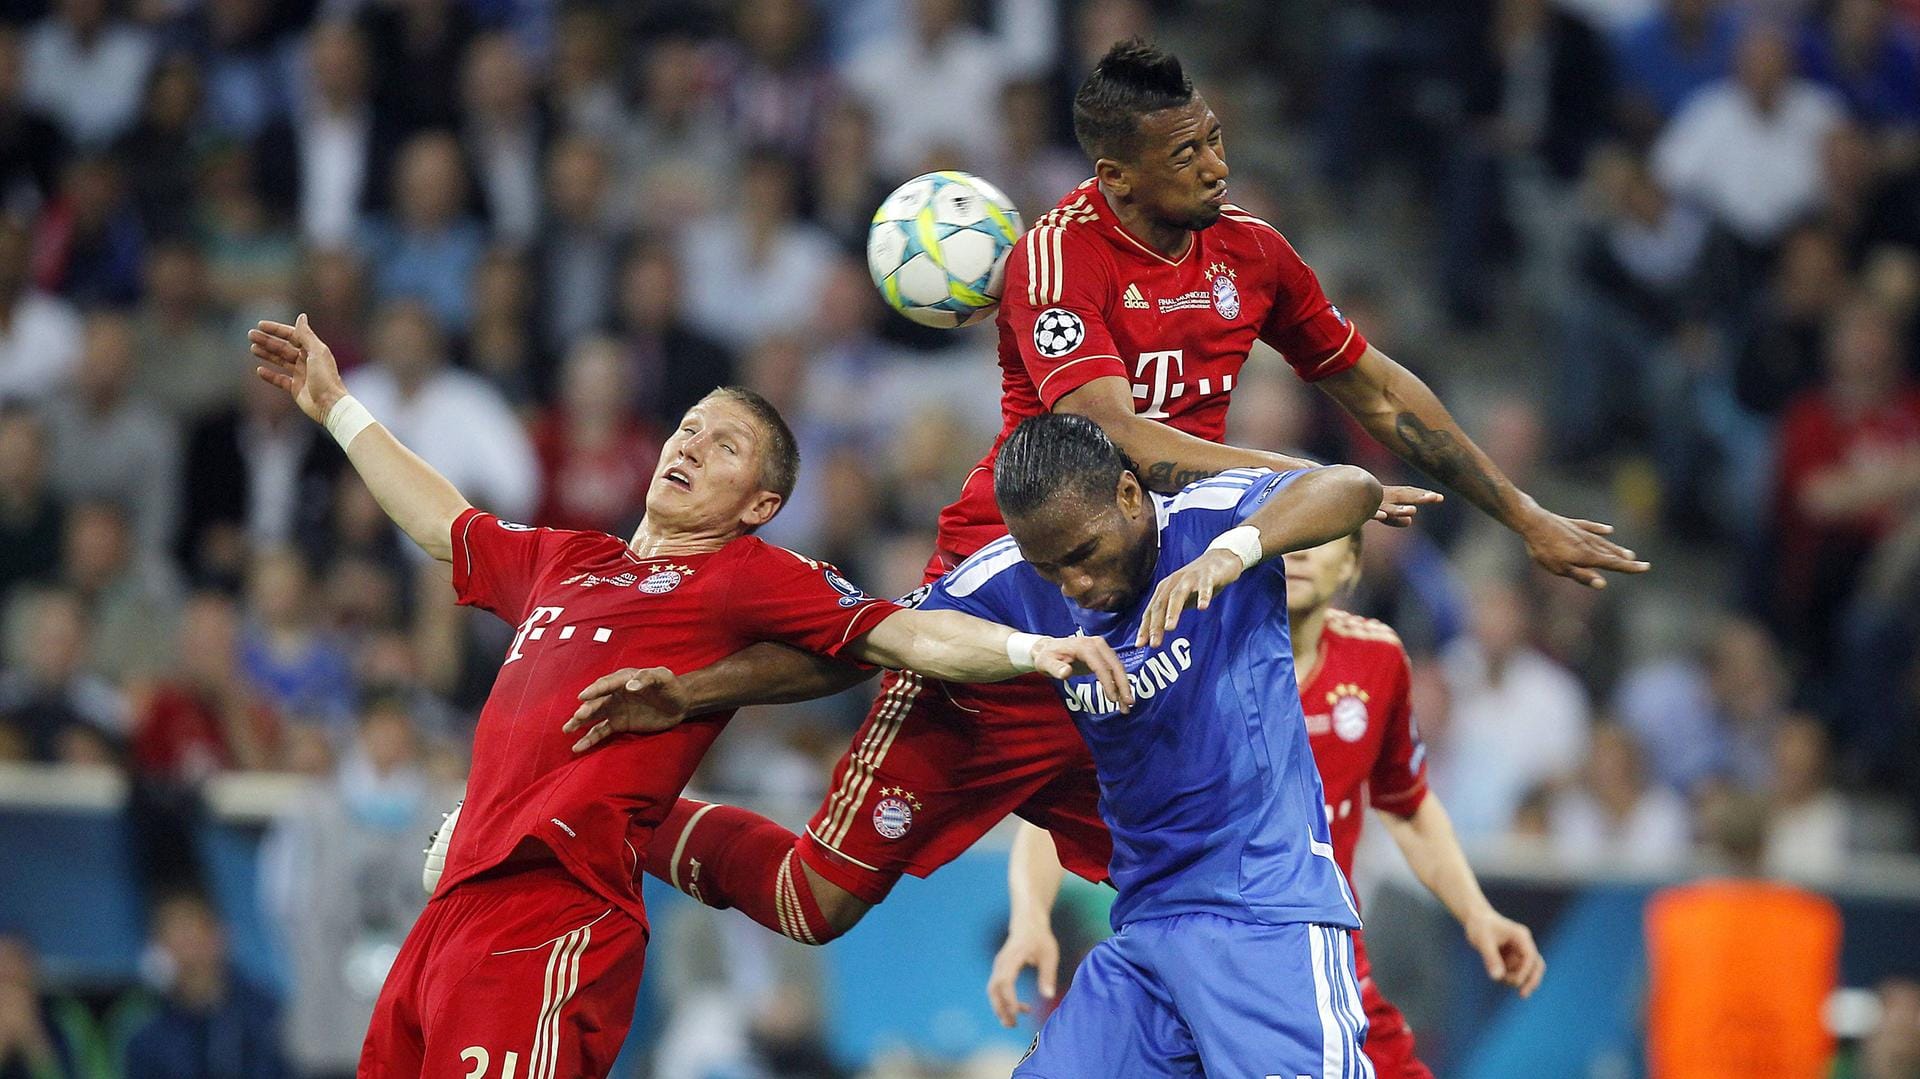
(1132,298)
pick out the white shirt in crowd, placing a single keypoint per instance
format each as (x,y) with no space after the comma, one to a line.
(92,91)
(1651,838)
(458,423)
(1809,841)
(1758,172)
(39,346)
(740,301)
(333,174)
(1504,737)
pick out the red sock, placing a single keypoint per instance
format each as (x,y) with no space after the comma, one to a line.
(728,857)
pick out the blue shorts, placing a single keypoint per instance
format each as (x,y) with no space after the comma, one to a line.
(1203,995)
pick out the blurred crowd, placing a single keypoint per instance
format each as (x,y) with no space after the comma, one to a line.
(1663,255)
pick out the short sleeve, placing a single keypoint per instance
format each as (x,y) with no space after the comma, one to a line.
(1055,302)
(1398,783)
(1307,329)
(1265,485)
(781,596)
(497,563)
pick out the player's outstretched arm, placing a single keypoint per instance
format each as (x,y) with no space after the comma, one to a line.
(956,647)
(634,699)
(419,499)
(1318,507)
(1033,883)
(1402,413)
(1170,459)
(1433,850)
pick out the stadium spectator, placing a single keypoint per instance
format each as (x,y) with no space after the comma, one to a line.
(286,655)
(505,133)
(427,246)
(341,882)
(1779,352)
(187,366)
(1710,717)
(1516,718)
(32,517)
(1615,819)
(1849,460)
(31,147)
(108,442)
(210,1023)
(37,1035)
(1892,1049)
(1748,149)
(843,179)
(416,51)
(327,161)
(89,243)
(578,255)
(52,708)
(166,145)
(1861,51)
(1871,195)
(203,718)
(750,271)
(237,43)
(39,333)
(676,152)
(334,285)
(583,91)
(596,455)
(1028,162)
(504,344)
(453,419)
(130,590)
(1807,829)
(671,364)
(780,90)
(88,70)
(1669,56)
(252,254)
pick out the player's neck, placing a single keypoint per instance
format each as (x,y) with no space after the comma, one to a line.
(655,541)
(1171,241)
(1306,631)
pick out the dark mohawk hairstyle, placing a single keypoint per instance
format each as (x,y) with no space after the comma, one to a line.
(1134,78)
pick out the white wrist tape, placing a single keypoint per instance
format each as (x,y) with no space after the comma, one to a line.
(1243,542)
(347,418)
(1020,648)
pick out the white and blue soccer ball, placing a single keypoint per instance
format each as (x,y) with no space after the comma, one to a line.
(938,247)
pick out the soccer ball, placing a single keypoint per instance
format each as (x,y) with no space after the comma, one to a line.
(938,247)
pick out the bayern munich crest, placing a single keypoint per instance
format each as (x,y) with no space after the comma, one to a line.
(1226,295)
(661,581)
(1349,712)
(893,813)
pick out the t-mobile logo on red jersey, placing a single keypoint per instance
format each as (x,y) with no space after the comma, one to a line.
(1158,377)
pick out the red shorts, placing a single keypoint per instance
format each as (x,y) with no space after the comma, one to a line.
(1389,1039)
(525,973)
(936,765)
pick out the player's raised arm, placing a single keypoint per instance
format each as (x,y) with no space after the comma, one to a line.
(1170,458)
(957,647)
(1315,507)
(1404,415)
(643,700)
(418,498)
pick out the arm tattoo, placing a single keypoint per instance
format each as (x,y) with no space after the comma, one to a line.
(1167,477)
(1440,455)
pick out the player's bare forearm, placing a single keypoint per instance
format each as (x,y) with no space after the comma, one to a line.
(768,673)
(418,499)
(956,647)
(1402,413)
(1033,878)
(1319,507)
(1169,459)
(1433,852)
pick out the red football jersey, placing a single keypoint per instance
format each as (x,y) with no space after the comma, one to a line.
(586,605)
(1360,723)
(1084,299)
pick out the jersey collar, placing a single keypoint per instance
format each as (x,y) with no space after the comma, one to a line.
(1121,237)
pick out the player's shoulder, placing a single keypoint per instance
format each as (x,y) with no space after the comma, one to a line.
(1360,633)
(1241,230)
(772,556)
(1061,242)
(990,564)
(1221,491)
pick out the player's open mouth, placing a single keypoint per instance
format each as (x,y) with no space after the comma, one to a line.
(679,478)
(1218,198)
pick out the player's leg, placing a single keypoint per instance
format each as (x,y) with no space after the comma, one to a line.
(1116,1019)
(1389,1037)
(1265,999)
(394,1046)
(1068,807)
(535,979)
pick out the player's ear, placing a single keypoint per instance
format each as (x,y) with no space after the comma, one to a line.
(1113,176)
(761,509)
(1130,494)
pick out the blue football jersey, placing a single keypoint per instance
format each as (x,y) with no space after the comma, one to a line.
(1208,784)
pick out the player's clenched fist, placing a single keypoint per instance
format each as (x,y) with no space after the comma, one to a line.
(296,360)
(1194,583)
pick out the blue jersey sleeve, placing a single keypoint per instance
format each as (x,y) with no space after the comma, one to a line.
(985,586)
(1213,505)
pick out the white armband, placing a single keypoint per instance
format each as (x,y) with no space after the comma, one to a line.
(1243,542)
(1020,648)
(347,418)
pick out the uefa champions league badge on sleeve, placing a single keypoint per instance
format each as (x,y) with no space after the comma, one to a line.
(1226,295)
(893,813)
(850,594)
(1059,331)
